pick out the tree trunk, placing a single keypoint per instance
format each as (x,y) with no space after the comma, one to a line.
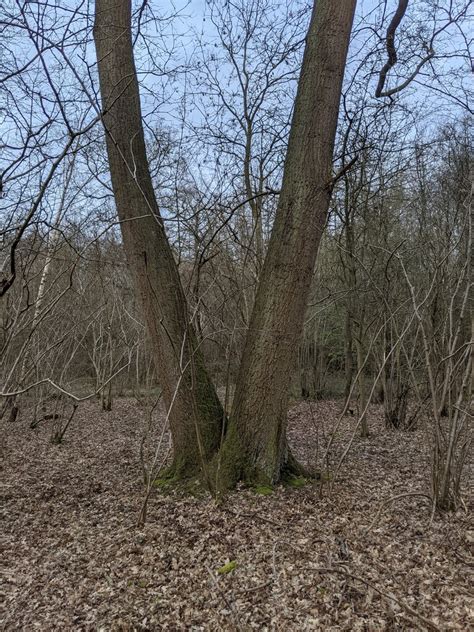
(348,353)
(362,400)
(195,413)
(350,274)
(255,448)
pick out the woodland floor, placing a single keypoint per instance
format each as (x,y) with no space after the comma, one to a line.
(306,558)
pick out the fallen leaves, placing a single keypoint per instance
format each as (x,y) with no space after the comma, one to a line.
(336,554)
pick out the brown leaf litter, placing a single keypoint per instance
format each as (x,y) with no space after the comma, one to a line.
(319,557)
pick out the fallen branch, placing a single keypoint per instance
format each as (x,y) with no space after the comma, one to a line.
(228,603)
(427,623)
(62,390)
(389,500)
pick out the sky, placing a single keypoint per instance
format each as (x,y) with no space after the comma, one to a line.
(27,99)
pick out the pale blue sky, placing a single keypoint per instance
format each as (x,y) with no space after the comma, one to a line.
(161,96)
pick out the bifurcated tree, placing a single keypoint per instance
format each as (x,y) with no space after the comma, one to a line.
(254,446)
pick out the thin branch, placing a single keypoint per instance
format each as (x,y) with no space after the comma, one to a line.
(390,44)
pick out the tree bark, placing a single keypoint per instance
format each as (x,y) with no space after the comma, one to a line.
(195,413)
(255,448)
(348,353)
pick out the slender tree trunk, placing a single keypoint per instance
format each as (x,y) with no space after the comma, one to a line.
(351,277)
(255,447)
(362,401)
(53,239)
(255,204)
(195,414)
(348,351)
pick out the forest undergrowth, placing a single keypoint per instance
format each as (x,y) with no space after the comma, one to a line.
(358,550)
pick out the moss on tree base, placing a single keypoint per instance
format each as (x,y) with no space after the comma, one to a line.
(236,462)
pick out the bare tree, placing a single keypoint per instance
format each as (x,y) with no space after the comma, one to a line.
(195,412)
(255,447)
(255,444)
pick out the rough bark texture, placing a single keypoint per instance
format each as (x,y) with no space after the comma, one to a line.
(255,448)
(195,413)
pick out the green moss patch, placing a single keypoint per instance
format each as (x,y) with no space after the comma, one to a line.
(227,568)
(183,486)
(263,490)
(296,481)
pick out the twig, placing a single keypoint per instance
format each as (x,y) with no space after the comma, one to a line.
(246,591)
(224,597)
(389,500)
(390,45)
(426,622)
(256,515)
(62,390)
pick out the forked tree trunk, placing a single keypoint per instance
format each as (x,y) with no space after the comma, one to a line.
(255,448)
(195,414)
